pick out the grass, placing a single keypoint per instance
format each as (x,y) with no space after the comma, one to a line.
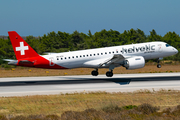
(25,72)
(96,101)
(142,112)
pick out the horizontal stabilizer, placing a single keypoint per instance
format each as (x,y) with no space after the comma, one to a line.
(11,62)
(21,62)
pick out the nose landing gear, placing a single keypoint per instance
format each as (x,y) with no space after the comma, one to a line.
(158,65)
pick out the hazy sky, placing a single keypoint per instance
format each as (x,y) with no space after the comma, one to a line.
(39,17)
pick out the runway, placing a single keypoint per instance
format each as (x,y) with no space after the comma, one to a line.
(22,86)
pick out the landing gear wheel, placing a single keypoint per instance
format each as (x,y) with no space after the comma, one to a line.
(94,73)
(109,74)
(158,66)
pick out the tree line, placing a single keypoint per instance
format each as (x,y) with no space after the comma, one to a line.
(63,42)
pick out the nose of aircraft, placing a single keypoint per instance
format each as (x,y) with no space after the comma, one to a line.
(176,51)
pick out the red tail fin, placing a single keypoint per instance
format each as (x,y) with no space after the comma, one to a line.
(21,48)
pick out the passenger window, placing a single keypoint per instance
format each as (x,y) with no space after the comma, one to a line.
(113,52)
(101,53)
(116,51)
(76,56)
(72,56)
(65,58)
(105,52)
(83,55)
(69,57)
(61,58)
(90,54)
(87,55)
(98,54)
(109,52)
(80,56)
(94,54)
(57,58)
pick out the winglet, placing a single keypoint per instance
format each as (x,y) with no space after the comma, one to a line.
(21,48)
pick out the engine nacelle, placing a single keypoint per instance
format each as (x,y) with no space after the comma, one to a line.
(134,63)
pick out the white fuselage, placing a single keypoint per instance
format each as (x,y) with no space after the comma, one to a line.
(91,58)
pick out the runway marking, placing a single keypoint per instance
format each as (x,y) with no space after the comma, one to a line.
(71,84)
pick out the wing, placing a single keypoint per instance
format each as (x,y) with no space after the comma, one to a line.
(105,62)
(117,58)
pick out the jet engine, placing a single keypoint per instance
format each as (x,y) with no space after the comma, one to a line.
(134,62)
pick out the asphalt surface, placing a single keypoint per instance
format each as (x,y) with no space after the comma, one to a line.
(21,86)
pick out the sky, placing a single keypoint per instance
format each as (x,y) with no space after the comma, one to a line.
(39,17)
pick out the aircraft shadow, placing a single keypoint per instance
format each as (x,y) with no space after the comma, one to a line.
(71,80)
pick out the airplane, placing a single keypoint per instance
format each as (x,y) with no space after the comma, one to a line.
(131,56)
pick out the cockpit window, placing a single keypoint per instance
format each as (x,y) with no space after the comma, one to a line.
(167,45)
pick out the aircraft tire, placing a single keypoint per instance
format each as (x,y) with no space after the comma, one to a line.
(158,66)
(109,74)
(94,73)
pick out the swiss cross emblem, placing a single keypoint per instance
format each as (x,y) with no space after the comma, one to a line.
(22,48)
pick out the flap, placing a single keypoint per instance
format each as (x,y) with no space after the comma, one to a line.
(115,58)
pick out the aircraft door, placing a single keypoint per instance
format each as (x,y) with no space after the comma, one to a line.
(160,47)
(51,61)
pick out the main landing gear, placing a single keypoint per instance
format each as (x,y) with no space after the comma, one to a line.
(109,73)
(158,65)
(95,72)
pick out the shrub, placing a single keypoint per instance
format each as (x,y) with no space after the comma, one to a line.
(7,66)
(111,108)
(88,114)
(52,117)
(20,117)
(176,111)
(129,107)
(35,117)
(2,117)
(147,108)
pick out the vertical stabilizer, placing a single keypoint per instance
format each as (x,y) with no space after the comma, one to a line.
(21,48)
